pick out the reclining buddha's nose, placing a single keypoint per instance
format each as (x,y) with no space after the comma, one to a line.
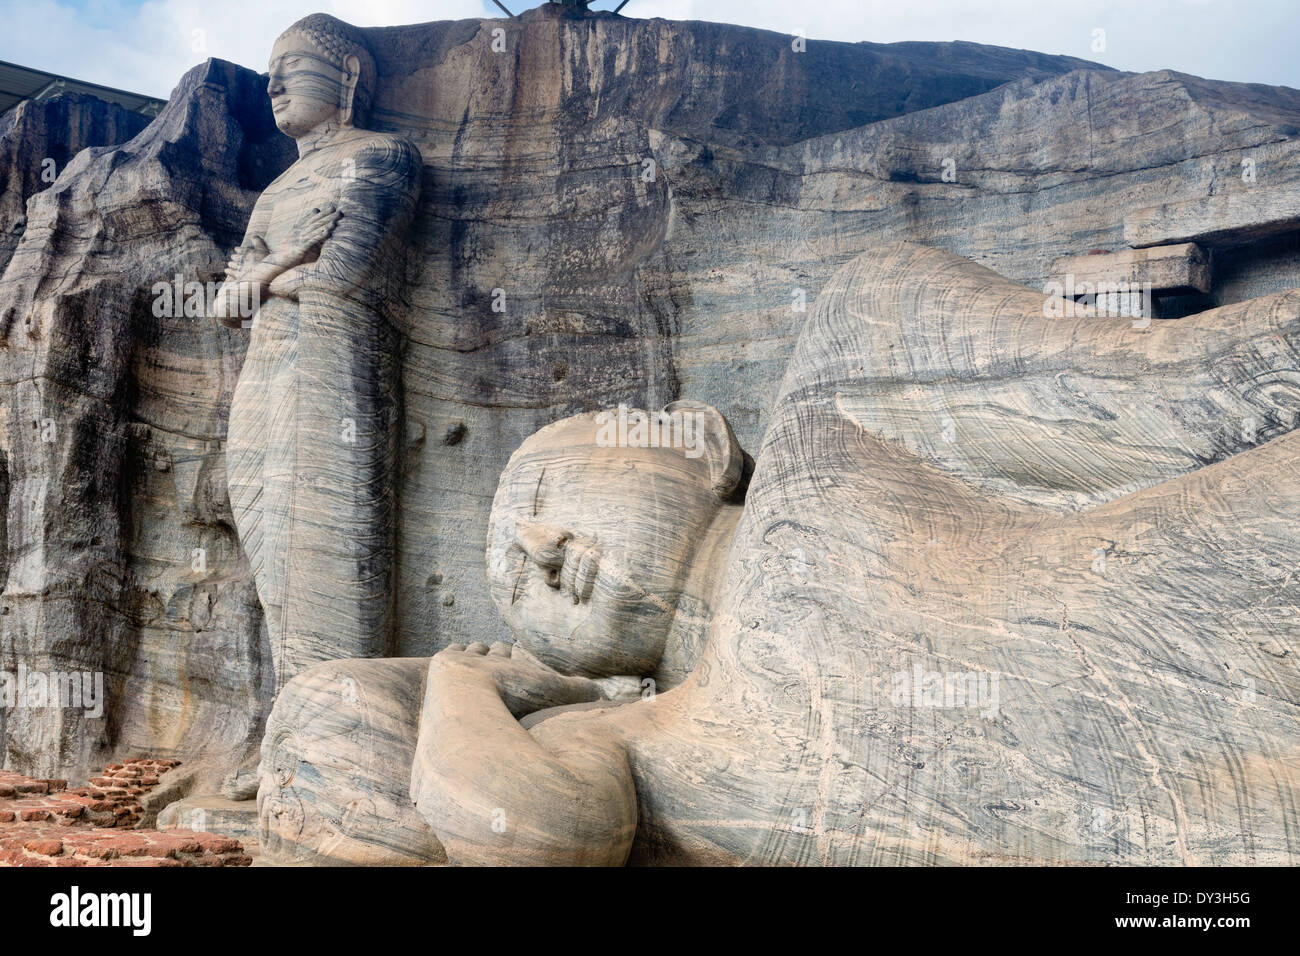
(544,545)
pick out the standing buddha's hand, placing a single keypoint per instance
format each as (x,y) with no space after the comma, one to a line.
(312,230)
(245,258)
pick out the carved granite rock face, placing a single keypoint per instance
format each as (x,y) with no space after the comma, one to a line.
(606,541)
(547,254)
(586,584)
(1004,590)
(312,444)
(37,141)
(120,552)
(602,220)
(336,768)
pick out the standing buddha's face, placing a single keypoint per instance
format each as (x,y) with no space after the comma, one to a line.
(307,90)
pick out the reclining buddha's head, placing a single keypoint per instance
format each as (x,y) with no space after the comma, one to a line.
(320,72)
(593,528)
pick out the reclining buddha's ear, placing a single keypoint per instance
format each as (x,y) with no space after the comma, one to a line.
(729,465)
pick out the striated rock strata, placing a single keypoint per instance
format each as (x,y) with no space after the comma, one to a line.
(612,210)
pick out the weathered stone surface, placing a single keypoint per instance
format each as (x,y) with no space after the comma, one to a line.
(1182,268)
(1233,218)
(532,185)
(312,447)
(336,767)
(586,193)
(231,818)
(600,525)
(36,143)
(601,220)
(956,624)
(121,559)
(625,621)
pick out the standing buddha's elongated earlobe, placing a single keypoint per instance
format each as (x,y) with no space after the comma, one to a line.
(348,92)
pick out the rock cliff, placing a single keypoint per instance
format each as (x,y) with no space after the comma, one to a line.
(613,210)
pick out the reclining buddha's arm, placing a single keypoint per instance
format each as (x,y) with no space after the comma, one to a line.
(496,794)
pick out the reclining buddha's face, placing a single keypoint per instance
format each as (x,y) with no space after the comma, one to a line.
(588,547)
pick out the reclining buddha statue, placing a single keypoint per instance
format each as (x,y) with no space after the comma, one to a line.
(1001,588)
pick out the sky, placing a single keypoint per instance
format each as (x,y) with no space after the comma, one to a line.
(144,46)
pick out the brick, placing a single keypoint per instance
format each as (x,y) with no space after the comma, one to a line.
(218,844)
(129,847)
(99,852)
(95,825)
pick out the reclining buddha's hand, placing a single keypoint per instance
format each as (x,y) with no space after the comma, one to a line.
(568,562)
(524,684)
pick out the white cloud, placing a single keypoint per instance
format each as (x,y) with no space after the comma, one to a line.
(145,47)
(1244,40)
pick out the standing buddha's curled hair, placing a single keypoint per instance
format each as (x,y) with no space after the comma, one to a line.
(336,40)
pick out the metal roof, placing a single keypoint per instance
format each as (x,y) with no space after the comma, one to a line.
(18,83)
